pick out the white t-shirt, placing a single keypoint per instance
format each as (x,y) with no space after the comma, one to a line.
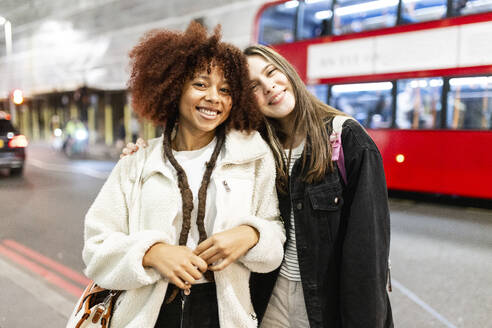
(193,163)
(290,265)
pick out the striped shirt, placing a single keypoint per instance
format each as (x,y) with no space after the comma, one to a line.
(290,264)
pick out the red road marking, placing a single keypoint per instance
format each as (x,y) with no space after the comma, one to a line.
(46,274)
(60,268)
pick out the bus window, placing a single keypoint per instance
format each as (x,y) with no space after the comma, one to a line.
(470,103)
(468,7)
(368,103)
(414,11)
(277,23)
(361,15)
(316,19)
(418,103)
(320,91)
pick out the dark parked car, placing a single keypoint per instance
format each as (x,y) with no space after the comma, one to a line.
(12,147)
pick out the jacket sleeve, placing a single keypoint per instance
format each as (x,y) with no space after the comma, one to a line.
(112,255)
(268,253)
(365,249)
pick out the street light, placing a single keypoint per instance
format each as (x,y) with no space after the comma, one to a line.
(17,97)
(8,37)
(7,27)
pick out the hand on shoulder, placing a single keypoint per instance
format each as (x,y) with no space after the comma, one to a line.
(131,147)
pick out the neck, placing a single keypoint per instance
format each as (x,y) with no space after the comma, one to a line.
(294,136)
(191,140)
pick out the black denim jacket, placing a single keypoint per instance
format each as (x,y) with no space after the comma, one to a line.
(342,236)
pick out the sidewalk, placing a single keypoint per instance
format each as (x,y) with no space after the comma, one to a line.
(29,302)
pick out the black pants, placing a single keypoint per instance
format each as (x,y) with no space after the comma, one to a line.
(200,308)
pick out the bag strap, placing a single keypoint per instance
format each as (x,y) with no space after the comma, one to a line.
(338,121)
(337,125)
(85,294)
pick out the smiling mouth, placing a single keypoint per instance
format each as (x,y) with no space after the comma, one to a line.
(277,98)
(208,113)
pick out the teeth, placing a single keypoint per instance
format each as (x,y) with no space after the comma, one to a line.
(275,98)
(207,112)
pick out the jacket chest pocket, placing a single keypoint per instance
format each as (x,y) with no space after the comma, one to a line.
(159,204)
(325,206)
(234,198)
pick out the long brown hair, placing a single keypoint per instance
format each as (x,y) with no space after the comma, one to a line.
(310,117)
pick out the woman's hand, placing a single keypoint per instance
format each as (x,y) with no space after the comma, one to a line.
(227,246)
(131,147)
(177,263)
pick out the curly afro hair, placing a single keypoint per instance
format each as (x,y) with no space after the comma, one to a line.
(165,60)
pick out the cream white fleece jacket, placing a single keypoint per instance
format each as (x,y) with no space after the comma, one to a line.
(137,207)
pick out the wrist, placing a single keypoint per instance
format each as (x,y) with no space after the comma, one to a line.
(253,235)
(148,258)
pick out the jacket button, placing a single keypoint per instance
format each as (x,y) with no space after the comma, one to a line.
(335,200)
(299,206)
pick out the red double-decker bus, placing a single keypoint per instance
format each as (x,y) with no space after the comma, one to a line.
(416,73)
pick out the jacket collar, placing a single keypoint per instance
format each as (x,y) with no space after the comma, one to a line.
(243,147)
(239,148)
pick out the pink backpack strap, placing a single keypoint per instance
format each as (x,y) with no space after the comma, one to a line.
(336,144)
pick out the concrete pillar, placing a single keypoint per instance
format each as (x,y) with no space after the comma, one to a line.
(108,125)
(13,113)
(149,131)
(26,129)
(74,113)
(127,118)
(45,111)
(35,124)
(91,123)
(61,112)
(18,122)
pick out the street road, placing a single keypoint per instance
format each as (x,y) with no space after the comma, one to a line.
(441,255)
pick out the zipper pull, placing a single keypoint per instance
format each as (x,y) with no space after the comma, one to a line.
(226,186)
(108,298)
(184,296)
(100,309)
(183,300)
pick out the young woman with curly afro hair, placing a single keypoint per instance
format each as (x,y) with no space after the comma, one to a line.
(180,226)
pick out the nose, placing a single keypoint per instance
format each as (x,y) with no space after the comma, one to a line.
(212,95)
(268,86)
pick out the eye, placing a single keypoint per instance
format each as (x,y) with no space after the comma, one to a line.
(253,86)
(199,84)
(271,71)
(225,90)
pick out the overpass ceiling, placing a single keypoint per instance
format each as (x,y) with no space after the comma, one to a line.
(98,15)
(63,44)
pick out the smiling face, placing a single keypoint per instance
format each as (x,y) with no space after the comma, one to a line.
(271,87)
(205,103)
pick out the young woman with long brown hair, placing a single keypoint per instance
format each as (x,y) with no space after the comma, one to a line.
(333,199)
